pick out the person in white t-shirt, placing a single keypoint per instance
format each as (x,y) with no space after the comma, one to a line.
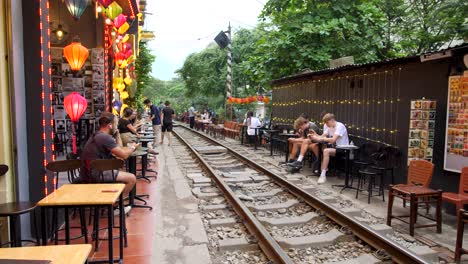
(251,122)
(333,133)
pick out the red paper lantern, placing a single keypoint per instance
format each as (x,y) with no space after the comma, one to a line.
(75,105)
(76,54)
(105,3)
(119,58)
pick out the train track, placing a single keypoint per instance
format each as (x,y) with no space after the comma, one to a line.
(268,204)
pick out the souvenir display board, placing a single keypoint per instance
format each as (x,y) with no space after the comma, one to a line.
(456,147)
(421,132)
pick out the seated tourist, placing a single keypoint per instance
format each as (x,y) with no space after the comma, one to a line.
(128,133)
(102,145)
(304,143)
(334,133)
(302,125)
(252,122)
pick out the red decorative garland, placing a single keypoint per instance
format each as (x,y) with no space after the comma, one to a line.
(248,100)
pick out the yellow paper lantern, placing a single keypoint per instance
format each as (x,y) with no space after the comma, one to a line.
(124,106)
(116,81)
(128,80)
(124,64)
(125,38)
(123,28)
(120,87)
(123,95)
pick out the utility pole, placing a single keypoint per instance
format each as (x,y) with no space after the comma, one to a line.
(225,41)
(229,69)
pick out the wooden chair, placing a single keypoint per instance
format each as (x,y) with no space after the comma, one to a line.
(462,219)
(13,210)
(71,167)
(417,192)
(460,198)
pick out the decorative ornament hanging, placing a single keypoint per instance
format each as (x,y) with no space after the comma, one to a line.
(123,28)
(76,7)
(124,106)
(76,54)
(128,80)
(105,3)
(120,20)
(125,38)
(75,105)
(123,95)
(113,10)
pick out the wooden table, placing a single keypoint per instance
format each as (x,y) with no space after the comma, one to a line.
(63,254)
(86,195)
(347,149)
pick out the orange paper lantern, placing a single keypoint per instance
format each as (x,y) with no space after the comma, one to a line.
(76,54)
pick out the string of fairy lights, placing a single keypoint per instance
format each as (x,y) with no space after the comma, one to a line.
(366,103)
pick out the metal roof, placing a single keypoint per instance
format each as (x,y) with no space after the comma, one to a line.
(415,58)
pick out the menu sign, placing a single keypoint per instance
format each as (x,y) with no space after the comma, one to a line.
(456,147)
(421,133)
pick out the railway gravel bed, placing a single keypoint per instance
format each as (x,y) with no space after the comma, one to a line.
(298,231)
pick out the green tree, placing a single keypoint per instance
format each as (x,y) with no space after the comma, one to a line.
(143,68)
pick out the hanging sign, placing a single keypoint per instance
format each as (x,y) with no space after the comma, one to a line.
(456,139)
(421,132)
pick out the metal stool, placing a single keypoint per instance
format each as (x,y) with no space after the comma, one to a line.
(371,175)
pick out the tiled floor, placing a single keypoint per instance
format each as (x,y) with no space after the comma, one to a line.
(140,230)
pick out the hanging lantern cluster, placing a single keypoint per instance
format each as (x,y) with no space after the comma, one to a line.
(122,51)
(248,100)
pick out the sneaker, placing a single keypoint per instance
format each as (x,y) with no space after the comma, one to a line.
(296,164)
(322,179)
(126,210)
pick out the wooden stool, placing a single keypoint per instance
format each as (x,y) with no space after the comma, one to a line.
(462,219)
(415,195)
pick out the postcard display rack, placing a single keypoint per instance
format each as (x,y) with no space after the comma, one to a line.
(89,82)
(421,132)
(456,147)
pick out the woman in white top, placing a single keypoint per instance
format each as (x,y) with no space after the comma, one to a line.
(251,122)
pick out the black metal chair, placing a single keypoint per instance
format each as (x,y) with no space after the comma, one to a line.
(388,161)
(13,210)
(101,166)
(71,167)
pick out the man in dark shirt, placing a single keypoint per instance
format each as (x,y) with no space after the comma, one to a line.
(103,146)
(155,117)
(166,116)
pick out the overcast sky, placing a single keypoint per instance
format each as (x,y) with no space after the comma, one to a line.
(179,24)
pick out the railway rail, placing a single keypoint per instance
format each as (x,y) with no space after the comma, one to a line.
(219,165)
